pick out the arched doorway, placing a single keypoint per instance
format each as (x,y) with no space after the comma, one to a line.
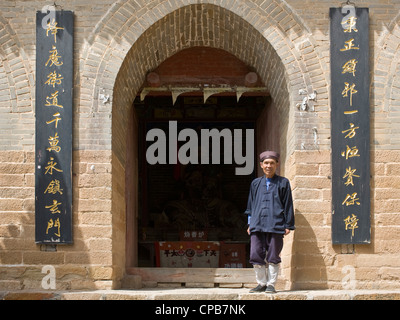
(202,25)
(199,192)
(190,211)
(150,209)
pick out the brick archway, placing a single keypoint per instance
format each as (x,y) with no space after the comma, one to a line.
(272,27)
(387,80)
(129,43)
(20,89)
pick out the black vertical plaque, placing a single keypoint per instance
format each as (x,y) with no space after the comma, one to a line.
(54,105)
(350,126)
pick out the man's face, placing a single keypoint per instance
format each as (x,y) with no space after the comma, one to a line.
(269,167)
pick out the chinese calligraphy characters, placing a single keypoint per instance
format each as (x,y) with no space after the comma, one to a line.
(53,29)
(54,81)
(351,223)
(350,24)
(187,254)
(348,45)
(350,67)
(54,224)
(350,174)
(350,126)
(53,58)
(348,91)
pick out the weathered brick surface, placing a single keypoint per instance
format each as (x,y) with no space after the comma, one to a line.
(88,262)
(116,44)
(316,262)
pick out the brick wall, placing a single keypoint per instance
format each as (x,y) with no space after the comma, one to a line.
(316,263)
(86,264)
(116,44)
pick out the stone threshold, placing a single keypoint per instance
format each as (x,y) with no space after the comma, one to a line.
(201,294)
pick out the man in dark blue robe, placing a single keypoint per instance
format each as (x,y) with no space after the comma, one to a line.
(270,218)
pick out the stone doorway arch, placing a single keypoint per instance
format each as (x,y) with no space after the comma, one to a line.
(131,41)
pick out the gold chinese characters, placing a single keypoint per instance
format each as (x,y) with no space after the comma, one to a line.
(54,205)
(349,91)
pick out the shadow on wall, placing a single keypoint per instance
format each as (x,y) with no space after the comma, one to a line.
(308,265)
(25,265)
(17,217)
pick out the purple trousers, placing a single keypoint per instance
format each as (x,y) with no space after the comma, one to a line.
(265,247)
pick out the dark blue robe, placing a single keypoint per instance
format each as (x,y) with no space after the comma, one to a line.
(270,210)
